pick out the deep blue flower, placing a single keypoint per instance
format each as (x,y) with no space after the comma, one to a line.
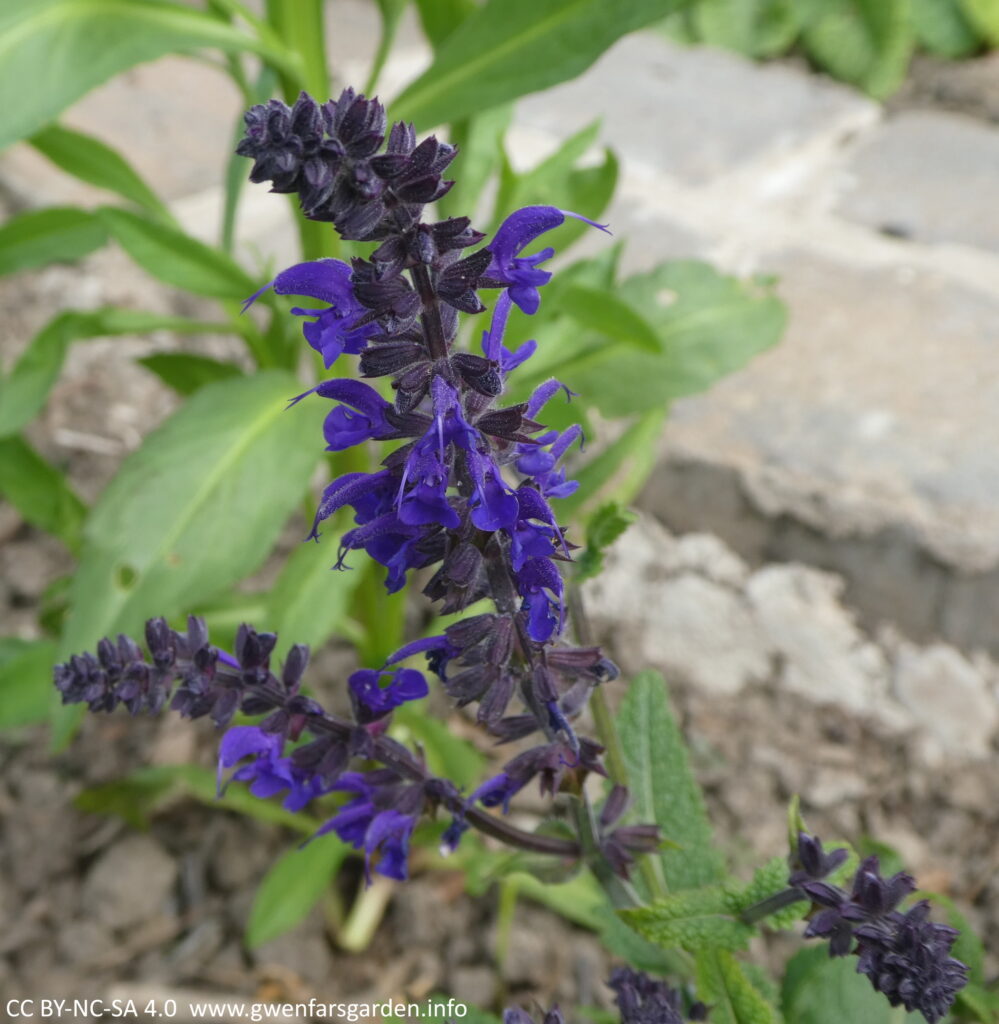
(372,700)
(334,330)
(520,273)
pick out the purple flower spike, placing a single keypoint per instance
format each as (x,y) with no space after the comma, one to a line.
(520,273)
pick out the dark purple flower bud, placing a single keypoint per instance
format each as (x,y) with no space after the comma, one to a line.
(642,1000)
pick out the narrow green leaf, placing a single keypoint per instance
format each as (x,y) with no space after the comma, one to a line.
(292,887)
(39,492)
(601,310)
(865,42)
(59,234)
(662,786)
(579,900)
(89,41)
(509,48)
(25,389)
(943,28)
(695,920)
(708,325)
(176,258)
(723,984)
(25,679)
(196,508)
(91,160)
(136,798)
(185,372)
(620,469)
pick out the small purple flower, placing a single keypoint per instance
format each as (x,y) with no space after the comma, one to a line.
(373,701)
(519,273)
(334,331)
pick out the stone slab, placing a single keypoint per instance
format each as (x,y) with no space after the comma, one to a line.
(928,176)
(692,114)
(865,442)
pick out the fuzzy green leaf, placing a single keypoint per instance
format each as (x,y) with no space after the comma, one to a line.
(756,28)
(865,42)
(603,528)
(695,919)
(662,786)
(943,28)
(723,984)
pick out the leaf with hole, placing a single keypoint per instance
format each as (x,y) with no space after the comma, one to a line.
(196,508)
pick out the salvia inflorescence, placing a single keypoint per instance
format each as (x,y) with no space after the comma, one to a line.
(467,492)
(905,955)
(467,495)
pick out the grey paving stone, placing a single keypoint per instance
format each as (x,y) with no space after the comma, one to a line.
(695,113)
(929,176)
(864,443)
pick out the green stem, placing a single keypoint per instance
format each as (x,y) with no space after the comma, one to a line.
(299,23)
(366,914)
(610,738)
(772,904)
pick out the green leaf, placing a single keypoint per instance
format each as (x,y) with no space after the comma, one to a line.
(292,887)
(601,310)
(695,919)
(734,999)
(196,508)
(176,258)
(708,325)
(867,43)
(59,234)
(577,900)
(54,51)
(663,789)
(620,469)
(439,18)
(756,28)
(93,161)
(509,48)
(310,600)
(819,989)
(24,391)
(942,27)
(25,679)
(983,15)
(480,149)
(602,529)
(185,372)
(39,492)
(767,880)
